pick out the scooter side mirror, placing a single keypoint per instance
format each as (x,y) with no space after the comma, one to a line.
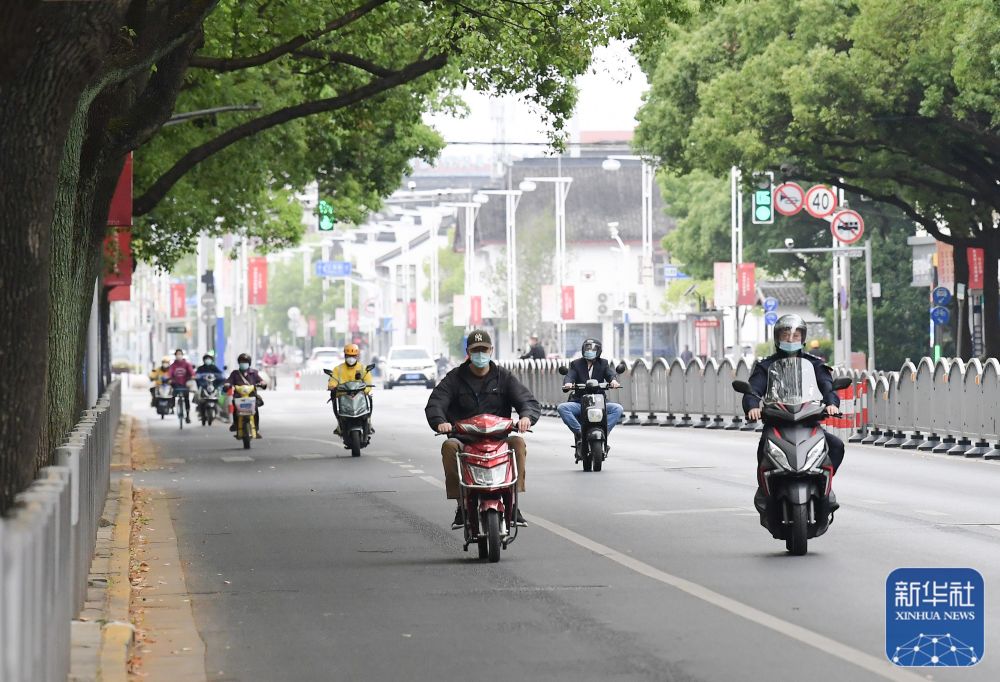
(370,367)
(841,383)
(621,368)
(328,372)
(563,369)
(741,386)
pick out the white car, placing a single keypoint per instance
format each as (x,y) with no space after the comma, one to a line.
(324,357)
(409,365)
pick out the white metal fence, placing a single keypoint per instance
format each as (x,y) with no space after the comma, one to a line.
(948,406)
(46,545)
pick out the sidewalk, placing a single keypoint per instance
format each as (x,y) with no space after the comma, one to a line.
(137,622)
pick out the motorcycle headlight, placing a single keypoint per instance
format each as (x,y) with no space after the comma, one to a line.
(777,456)
(816,454)
(491,476)
(595,414)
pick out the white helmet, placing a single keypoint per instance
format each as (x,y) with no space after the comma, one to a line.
(789,322)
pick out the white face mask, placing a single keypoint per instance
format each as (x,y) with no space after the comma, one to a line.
(351,362)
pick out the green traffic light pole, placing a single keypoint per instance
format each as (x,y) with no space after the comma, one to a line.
(855,252)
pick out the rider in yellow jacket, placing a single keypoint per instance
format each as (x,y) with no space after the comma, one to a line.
(348,371)
(156,374)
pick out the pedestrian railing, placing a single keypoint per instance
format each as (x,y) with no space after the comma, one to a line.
(944,406)
(47,543)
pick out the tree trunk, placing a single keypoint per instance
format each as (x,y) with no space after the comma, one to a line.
(48,52)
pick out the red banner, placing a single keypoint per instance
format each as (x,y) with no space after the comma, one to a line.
(178,301)
(352,320)
(312,326)
(120,213)
(475,311)
(411,316)
(946,266)
(707,323)
(568,306)
(122,293)
(118,258)
(746,284)
(257,281)
(977,259)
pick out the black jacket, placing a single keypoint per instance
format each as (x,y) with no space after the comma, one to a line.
(758,380)
(535,352)
(579,373)
(454,399)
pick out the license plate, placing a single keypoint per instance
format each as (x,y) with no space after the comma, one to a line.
(413,377)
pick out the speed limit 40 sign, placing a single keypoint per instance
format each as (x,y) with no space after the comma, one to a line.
(820,201)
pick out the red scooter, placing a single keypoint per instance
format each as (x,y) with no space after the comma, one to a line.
(487,474)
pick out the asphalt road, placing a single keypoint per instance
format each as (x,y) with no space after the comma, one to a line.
(654,569)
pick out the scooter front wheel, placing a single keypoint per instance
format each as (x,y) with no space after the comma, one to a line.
(797,541)
(597,454)
(493,535)
(355,443)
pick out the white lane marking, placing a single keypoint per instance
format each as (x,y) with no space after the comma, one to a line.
(930,512)
(237,458)
(406,466)
(993,527)
(416,471)
(310,440)
(665,512)
(824,644)
(311,455)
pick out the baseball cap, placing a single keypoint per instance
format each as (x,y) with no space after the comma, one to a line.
(478,339)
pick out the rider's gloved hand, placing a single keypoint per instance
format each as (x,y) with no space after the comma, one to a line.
(614,384)
(832,409)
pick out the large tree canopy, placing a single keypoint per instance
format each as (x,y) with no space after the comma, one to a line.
(897,101)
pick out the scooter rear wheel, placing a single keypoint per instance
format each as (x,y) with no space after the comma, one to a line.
(483,548)
(493,535)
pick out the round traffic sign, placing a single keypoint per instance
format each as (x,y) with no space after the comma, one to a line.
(771,319)
(941,296)
(770,304)
(208,300)
(789,198)
(208,315)
(820,201)
(847,226)
(940,315)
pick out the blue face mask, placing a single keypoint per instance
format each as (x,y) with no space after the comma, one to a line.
(244,366)
(590,354)
(480,360)
(789,347)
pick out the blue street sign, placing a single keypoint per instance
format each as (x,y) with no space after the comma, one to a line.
(770,304)
(674,272)
(941,296)
(333,268)
(940,315)
(771,318)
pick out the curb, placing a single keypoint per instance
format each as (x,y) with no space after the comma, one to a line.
(118,634)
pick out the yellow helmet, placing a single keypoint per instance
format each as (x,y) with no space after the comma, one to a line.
(166,359)
(351,350)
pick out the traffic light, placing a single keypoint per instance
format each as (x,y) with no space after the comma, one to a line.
(325,210)
(208,279)
(763,199)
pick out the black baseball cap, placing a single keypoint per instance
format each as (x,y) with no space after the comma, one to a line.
(478,339)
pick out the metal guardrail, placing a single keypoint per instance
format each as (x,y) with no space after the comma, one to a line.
(944,406)
(46,547)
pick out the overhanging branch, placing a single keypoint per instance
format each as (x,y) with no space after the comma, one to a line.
(155,193)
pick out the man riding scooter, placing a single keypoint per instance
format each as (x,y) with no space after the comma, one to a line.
(789,336)
(479,386)
(590,366)
(347,371)
(181,372)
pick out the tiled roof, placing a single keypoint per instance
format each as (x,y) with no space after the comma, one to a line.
(789,294)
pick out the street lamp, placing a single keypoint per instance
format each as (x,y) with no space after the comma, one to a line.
(561,185)
(613,163)
(471,212)
(512,197)
(625,251)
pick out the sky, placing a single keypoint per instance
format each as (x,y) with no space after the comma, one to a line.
(610,96)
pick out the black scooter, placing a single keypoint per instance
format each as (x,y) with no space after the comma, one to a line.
(592,446)
(795,470)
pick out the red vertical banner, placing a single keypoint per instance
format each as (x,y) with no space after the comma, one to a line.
(120,212)
(353,324)
(122,293)
(411,316)
(746,284)
(312,326)
(178,301)
(475,311)
(257,280)
(977,259)
(568,303)
(946,266)
(118,258)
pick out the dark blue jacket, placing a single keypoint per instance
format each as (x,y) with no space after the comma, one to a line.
(758,380)
(579,374)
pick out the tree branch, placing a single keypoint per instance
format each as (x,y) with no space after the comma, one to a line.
(345,58)
(223,65)
(155,193)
